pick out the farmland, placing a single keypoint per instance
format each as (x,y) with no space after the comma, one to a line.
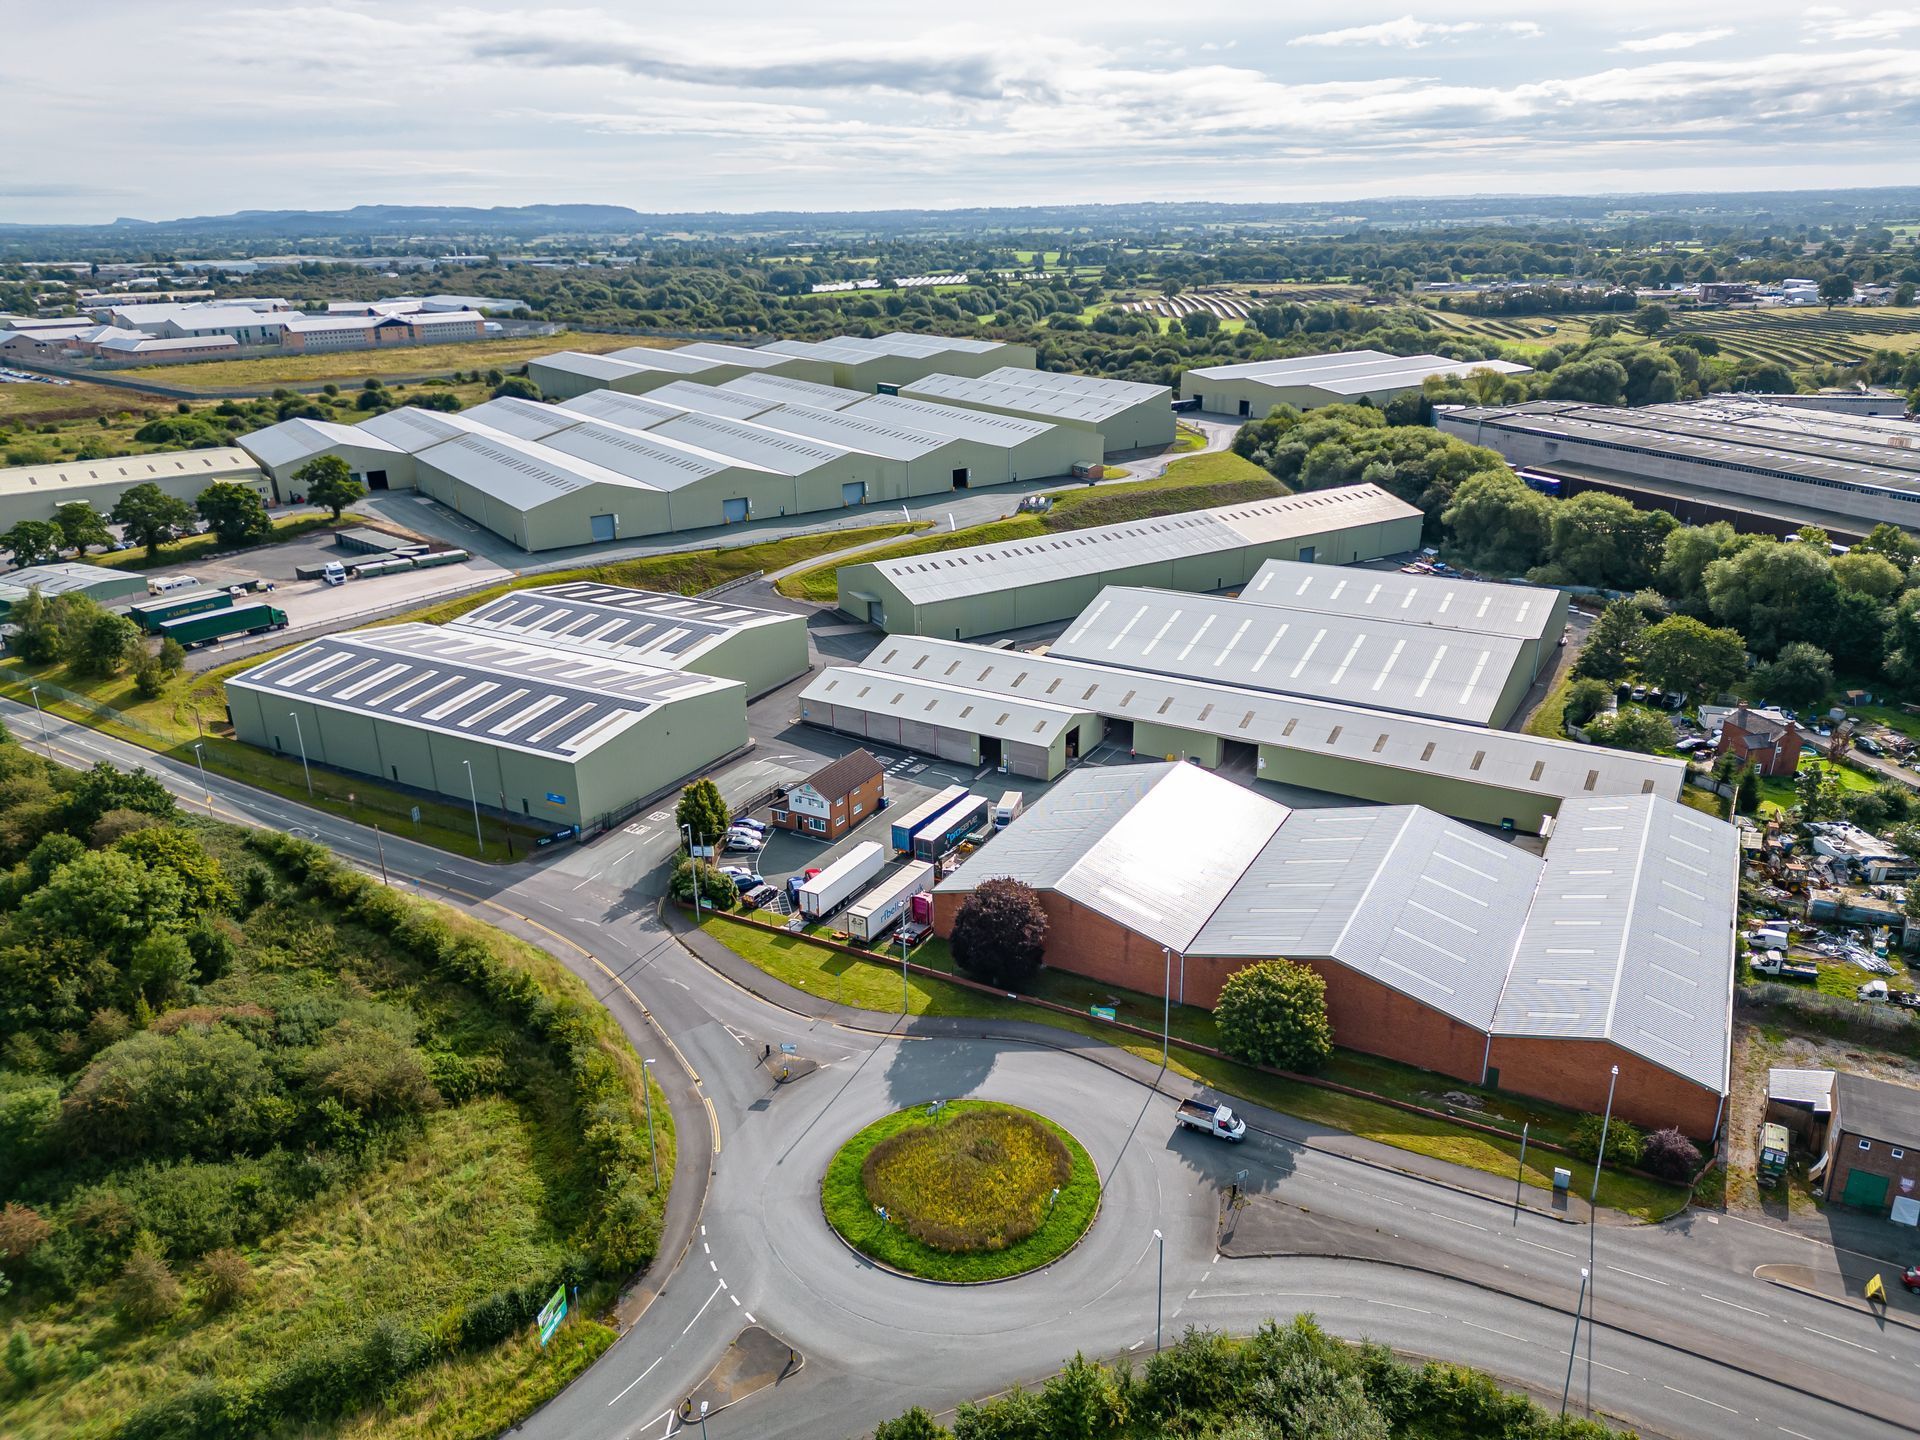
(1796,338)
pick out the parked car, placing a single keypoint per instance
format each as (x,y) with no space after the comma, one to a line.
(747,822)
(1910,1277)
(742,875)
(746,840)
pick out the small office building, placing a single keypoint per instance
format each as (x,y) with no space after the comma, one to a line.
(834,799)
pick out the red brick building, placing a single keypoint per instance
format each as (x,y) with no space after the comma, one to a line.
(1769,742)
(1442,947)
(832,800)
(1873,1146)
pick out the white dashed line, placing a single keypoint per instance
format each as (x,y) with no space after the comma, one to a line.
(1855,1343)
(1702,1399)
(1732,1306)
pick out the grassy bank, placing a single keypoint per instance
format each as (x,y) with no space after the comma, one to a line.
(1221,478)
(351,367)
(876,985)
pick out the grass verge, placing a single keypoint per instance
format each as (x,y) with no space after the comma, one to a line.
(876,985)
(351,367)
(851,1212)
(1220,478)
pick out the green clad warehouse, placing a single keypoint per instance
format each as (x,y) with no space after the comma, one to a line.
(1120,414)
(554,735)
(985,589)
(34,492)
(69,577)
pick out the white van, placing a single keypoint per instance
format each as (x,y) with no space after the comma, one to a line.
(1008,809)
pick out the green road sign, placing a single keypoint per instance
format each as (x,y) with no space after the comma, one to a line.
(1100,1012)
(552,1314)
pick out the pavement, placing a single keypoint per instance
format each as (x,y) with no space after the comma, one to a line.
(1688,1339)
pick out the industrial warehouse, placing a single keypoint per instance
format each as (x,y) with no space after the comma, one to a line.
(985,589)
(34,492)
(563,704)
(1251,389)
(1121,414)
(1763,466)
(1442,948)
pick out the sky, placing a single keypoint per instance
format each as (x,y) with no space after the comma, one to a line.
(157,109)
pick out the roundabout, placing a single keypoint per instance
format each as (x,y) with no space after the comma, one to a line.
(961,1192)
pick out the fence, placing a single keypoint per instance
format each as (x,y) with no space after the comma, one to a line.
(92,707)
(734,584)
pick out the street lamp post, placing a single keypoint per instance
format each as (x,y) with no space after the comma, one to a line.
(200,760)
(693,872)
(646,1088)
(1159,1289)
(381,850)
(906,999)
(1573,1348)
(1593,1196)
(703,1420)
(44,741)
(474,796)
(301,736)
(1166,1004)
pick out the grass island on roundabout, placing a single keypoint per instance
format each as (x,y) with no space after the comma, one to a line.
(961,1191)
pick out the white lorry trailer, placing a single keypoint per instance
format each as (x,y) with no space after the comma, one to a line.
(883,907)
(842,880)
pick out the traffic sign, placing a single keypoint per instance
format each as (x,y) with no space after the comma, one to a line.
(552,1313)
(1101,1012)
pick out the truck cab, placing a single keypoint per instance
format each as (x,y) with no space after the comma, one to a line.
(334,574)
(1218,1121)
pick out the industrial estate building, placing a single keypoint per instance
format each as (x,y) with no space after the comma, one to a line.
(1120,414)
(69,577)
(1257,386)
(1763,466)
(555,735)
(1441,947)
(34,492)
(985,589)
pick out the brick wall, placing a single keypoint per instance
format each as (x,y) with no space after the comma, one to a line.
(1849,1157)
(1574,1073)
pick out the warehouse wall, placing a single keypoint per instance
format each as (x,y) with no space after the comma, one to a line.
(1450,795)
(1574,1073)
(360,459)
(39,502)
(762,658)
(659,750)
(1174,743)
(887,730)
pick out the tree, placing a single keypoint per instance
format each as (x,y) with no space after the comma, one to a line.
(80,526)
(1586,698)
(1624,1143)
(1633,728)
(1772,593)
(1891,541)
(1612,642)
(716,890)
(1801,675)
(1685,555)
(1274,1013)
(150,516)
(149,1292)
(702,811)
(37,638)
(22,1231)
(325,480)
(1652,319)
(1835,288)
(1500,525)
(1670,1155)
(516,387)
(916,1424)
(31,542)
(1866,573)
(1597,382)
(1682,654)
(109,642)
(1817,793)
(1746,798)
(1000,934)
(229,1278)
(1601,539)
(235,511)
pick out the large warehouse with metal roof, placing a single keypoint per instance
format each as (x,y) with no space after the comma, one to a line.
(1772,467)
(985,589)
(556,735)
(1121,414)
(34,492)
(1442,948)
(1251,389)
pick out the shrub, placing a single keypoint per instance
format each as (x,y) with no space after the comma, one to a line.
(916,1424)
(22,1231)
(151,679)
(1670,1155)
(149,1292)
(716,890)
(978,1181)
(1624,1142)
(229,1278)
(1000,933)
(1275,1013)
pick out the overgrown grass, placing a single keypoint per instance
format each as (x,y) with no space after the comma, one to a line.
(205,547)
(964,1193)
(1550,718)
(876,985)
(351,367)
(1200,481)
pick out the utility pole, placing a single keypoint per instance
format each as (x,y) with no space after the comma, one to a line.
(474,796)
(301,736)
(205,788)
(1573,1348)
(381,850)
(1160,1292)
(1166,1003)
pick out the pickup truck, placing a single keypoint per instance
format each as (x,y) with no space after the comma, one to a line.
(1775,964)
(1216,1120)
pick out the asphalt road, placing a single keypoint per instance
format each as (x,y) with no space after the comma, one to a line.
(1689,1343)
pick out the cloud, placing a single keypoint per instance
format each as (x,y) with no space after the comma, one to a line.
(1672,40)
(1411,34)
(1834,24)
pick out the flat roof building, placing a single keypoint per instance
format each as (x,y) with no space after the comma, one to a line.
(1122,414)
(1442,947)
(1770,467)
(34,492)
(554,735)
(1251,389)
(762,649)
(984,589)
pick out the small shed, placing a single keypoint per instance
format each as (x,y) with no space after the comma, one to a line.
(1801,1100)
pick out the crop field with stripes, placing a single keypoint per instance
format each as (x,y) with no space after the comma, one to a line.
(1796,338)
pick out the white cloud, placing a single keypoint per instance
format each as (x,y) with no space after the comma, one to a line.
(1411,34)
(1672,40)
(1833,24)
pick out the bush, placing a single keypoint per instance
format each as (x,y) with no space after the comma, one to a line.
(22,1231)
(151,679)
(1000,934)
(1670,1155)
(1275,1013)
(515,388)
(149,1292)
(716,890)
(1586,698)
(229,1278)
(1624,1143)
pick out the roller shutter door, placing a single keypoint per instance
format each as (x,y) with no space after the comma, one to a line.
(734,511)
(1028,760)
(956,745)
(916,735)
(885,729)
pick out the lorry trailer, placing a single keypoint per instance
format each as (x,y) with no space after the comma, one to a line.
(150,615)
(192,630)
(839,882)
(884,906)
(925,813)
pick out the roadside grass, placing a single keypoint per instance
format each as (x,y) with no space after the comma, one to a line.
(876,985)
(1196,482)
(206,547)
(940,1189)
(193,709)
(1187,438)
(1550,718)
(37,404)
(353,366)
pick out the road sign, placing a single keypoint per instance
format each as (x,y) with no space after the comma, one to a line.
(554,1311)
(787,1049)
(1101,1012)
(415,812)
(553,799)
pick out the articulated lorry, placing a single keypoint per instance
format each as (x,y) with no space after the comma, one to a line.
(205,629)
(853,872)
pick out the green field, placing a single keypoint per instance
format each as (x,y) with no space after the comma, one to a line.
(1219,478)
(353,366)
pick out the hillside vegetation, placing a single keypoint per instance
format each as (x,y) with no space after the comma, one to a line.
(278,1144)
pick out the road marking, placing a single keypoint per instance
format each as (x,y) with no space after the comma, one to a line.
(1468,1223)
(1135,1346)
(1491,1331)
(1701,1398)
(708,1249)
(1748,1308)
(734,1298)
(1635,1274)
(1855,1343)
(588,881)
(1785,1431)
(1393,1305)
(703,1306)
(713,1266)
(636,1380)
(1554,1248)
(750,1319)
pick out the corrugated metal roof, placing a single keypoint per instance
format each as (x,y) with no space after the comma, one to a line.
(855,431)
(1088,407)
(644,627)
(528,419)
(750,444)
(1368,661)
(954,420)
(412,429)
(1480,606)
(653,357)
(1012,564)
(1351,371)
(1526,764)
(520,473)
(710,399)
(603,368)
(295,440)
(928,701)
(1630,938)
(648,458)
(636,412)
(733,354)
(481,687)
(787,390)
(1811,1088)
(209,465)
